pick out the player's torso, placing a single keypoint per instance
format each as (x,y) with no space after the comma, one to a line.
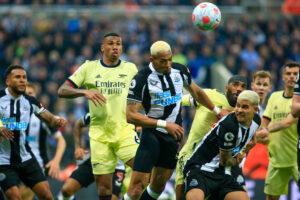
(285,139)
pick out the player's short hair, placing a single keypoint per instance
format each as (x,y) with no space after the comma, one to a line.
(262,74)
(289,65)
(237,78)
(111,34)
(31,85)
(249,95)
(159,46)
(11,68)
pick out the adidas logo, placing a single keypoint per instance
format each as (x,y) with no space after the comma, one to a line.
(98,76)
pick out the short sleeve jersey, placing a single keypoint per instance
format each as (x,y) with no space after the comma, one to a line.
(282,147)
(113,83)
(226,135)
(160,94)
(15,115)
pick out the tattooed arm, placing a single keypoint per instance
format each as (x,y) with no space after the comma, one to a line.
(52,120)
(67,91)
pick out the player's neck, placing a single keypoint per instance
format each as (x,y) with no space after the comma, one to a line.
(288,92)
(110,62)
(13,94)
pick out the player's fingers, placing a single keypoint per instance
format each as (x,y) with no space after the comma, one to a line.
(86,151)
(95,103)
(101,97)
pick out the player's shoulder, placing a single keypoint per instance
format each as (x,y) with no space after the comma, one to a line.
(32,100)
(128,64)
(144,72)
(180,67)
(277,94)
(257,119)
(229,121)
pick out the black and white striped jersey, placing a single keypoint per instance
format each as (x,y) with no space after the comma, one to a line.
(159,93)
(37,139)
(15,115)
(226,135)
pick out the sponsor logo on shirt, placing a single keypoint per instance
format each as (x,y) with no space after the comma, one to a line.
(165,98)
(11,124)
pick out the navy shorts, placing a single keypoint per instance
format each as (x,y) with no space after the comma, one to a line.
(156,149)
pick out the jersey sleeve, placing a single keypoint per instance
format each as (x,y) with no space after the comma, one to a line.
(37,107)
(187,78)
(86,119)
(188,100)
(297,86)
(77,79)
(227,135)
(268,112)
(137,87)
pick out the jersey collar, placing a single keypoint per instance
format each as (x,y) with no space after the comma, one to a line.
(7,92)
(152,69)
(110,66)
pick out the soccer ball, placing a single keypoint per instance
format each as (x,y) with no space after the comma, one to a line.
(206,16)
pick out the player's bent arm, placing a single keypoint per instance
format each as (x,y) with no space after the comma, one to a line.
(296,105)
(52,120)
(226,158)
(136,118)
(285,123)
(67,91)
(200,96)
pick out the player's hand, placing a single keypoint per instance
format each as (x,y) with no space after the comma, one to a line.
(239,157)
(95,97)
(263,136)
(250,145)
(60,121)
(6,134)
(53,166)
(79,153)
(175,130)
(224,112)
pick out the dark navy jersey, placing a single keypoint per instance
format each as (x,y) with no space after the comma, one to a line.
(15,115)
(226,135)
(160,94)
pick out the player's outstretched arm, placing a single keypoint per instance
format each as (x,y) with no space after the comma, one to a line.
(54,164)
(52,120)
(79,151)
(67,91)
(200,96)
(138,119)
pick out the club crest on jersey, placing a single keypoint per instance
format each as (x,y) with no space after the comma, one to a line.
(98,76)
(122,75)
(176,79)
(132,83)
(25,108)
(229,136)
(153,82)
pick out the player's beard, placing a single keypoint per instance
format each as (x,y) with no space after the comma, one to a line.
(16,91)
(230,98)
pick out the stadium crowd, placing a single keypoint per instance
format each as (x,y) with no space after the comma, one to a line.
(51,48)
